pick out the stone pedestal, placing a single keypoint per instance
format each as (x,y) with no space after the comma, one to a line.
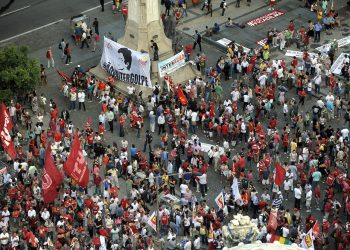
(143,25)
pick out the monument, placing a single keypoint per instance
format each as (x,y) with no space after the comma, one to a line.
(143,25)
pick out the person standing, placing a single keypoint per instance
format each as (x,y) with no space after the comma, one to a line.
(62,46)
(84,40)
(102,2)
(161,124)
(67,52)
(184,8)
(95,25)
(73,99)
(81,99)
(155,48)
(152,121)
(110,118)
(96,42)
(198,40)
(318,28)
(49,57)
(148,141)
(125,12)
(297,196)
(223,6)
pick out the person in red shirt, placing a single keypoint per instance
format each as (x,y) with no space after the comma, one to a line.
(125,12)
(294,62)
(224,130)
(273,123)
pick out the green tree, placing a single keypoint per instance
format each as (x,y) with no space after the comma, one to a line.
(19,74)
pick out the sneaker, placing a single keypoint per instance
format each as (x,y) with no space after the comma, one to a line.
(67,63)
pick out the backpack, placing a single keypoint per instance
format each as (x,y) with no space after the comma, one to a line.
(60,46)
(222,4)
(65,51)
(156,90)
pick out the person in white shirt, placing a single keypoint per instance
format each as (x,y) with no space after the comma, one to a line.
(308,198)
(31,213)
(297,196)
(81,99)
(197,243)
(45,215)
(203,184)
(131,89)
(183,189)
(161,124)
(262,81)
(194,115)
(102,118)
(5,214)
(4,239)
(345,133)
(188,245)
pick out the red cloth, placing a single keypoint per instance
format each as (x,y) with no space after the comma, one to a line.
(51,179)
(280,174)
(76,166)
(5,128)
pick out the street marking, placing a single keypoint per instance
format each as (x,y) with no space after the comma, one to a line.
(30,31)
(14,11)
(46,25)
(96,7)
(270,16)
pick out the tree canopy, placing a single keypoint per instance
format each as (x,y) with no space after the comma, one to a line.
(19,74)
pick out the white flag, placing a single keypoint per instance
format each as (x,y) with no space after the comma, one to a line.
(308,241)
(152,221)
(220,200)
(235,190)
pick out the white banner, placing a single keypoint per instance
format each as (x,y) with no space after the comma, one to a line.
(341,43)
(125,64)
(220,201)
(338,64)
(226,42)
(298,54)
(171,64)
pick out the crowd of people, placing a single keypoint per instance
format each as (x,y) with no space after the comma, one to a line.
(260,125)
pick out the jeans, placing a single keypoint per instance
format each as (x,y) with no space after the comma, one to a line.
(82,104)
(204,189)
(72,105)
(317,88)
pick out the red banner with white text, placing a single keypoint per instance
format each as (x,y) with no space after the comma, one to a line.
(5,128)
(75,166)
(51,179)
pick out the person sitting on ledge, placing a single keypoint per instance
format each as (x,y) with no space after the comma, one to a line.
(230,22)
(216,28)
(208,31)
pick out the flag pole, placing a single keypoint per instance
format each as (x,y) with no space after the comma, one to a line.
(157,204)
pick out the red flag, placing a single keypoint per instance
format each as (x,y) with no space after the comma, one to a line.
(272,224)
(316,229)
(5,127)
(280,174)
(212,109)
(181,96)
(52,178)
(76,166)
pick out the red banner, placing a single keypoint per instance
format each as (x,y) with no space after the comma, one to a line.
(182,98)
(52,178)
(75,166)
(280,174)
(6,126)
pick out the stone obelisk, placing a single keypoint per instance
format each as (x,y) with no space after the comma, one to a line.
(143,25)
